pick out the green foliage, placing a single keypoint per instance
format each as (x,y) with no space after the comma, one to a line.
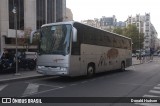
(118,31)
(132,32)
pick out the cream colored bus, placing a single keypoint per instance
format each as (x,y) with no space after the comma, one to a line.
(74,49)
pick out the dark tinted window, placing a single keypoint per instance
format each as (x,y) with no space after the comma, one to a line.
(19,4)
(94,36)
(40,13)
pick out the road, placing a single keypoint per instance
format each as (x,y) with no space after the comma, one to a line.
(138,81)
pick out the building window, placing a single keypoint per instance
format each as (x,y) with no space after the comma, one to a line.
(50,11)
(147,24)
(137,24)
(40,13)
(19,4)
(59,11)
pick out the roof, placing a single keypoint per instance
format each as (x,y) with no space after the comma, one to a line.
(72,22)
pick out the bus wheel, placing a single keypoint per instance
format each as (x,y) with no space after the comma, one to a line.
(122,66)
(90,70)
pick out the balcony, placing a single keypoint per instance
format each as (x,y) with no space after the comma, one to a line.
(12,33)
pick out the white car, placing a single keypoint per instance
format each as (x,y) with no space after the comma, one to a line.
(133,55)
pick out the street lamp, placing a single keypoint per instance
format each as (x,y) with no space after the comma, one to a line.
(15,26)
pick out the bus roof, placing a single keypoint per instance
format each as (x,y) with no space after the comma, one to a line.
(58,23)
(72,22)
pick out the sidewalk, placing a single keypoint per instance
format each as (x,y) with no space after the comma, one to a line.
(21,75)
(27,74)
(143,60)
(135,61)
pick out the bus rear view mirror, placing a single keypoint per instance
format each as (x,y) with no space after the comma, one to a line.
(34,35)
(74,35)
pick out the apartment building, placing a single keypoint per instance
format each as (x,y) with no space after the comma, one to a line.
(145,26)
(69,15)
(108,23)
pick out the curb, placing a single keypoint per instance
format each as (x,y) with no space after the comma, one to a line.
(136,64)
(142,63)
(20,78)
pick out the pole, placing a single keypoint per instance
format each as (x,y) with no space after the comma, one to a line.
(140,48)
(15,23)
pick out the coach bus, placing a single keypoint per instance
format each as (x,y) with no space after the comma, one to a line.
(74,49)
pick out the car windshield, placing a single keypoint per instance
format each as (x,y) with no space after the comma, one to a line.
(55,39)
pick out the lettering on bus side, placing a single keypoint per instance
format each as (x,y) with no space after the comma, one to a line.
(110,54)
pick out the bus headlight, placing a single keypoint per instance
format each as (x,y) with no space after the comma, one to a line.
(40,67)
(63,68)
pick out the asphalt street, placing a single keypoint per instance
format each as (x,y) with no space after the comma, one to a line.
(137,81)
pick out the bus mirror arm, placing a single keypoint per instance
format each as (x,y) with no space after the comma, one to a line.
(31,36)
(74,37)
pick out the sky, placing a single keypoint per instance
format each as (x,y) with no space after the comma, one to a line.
(90,9)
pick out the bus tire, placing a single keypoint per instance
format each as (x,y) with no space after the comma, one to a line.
(90,70)
(122,66)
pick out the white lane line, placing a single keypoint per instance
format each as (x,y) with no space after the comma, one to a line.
(2,87)
(73,84)
(157,88)
(158,85)
(135,84)
(43,84)
(148,104)
(84,82)
(44,91)
(150,96)
(154,91)
(32,88)
(133,68)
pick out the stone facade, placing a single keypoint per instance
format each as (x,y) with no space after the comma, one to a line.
(30,17)
(69,15)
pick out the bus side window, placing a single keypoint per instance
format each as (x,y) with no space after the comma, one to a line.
(128,45)
(115,44)
(123,43)
(120,42)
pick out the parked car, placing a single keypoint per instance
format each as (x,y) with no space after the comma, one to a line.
(133,55)
(159,55)
(155,54)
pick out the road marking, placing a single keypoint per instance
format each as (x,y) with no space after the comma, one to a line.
(148,104)
(134,68)
(154,91)
(43,91)
(43,84)
(32,88)
(72,84)
(150,96)
(2,87)
(156,87)
(84,82)
(135,84)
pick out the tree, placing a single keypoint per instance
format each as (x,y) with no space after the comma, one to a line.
(118,31)
(24,39)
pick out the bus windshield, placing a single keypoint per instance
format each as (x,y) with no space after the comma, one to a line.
(55,39)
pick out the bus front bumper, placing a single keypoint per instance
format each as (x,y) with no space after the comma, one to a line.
(61,71)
